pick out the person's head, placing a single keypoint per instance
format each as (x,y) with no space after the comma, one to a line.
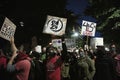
(100,51)
(81,52)
(38,49)
(43,49)
(36,53)
(51,51)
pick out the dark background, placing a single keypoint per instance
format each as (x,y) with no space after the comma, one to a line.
(33,14)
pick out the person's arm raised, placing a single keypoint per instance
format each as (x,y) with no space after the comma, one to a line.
(10,66)
(13,46)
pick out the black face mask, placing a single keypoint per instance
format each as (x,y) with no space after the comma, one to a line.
(51,53)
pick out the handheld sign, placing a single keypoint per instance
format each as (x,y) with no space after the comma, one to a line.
(8,29)
(57,43)
(55,25)
(88,28)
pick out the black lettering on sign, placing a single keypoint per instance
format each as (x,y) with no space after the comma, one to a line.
(55,24)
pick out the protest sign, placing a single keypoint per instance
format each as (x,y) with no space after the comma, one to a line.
(57,43)
(55,25)
(97,41)
(70,43)
(8,29)
(88,28)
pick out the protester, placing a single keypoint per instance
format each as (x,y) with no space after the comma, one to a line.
(39,67)
(54,62)
(73,71)
(113,50)
(19,63)
(91,54)
(105,65)
(86,66)
(117,59)
(3,64)
(82,67)
(43,54)
(65,68)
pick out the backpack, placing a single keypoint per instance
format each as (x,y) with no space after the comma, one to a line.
(39,70)
(32,71)
(36,70)
(118,64)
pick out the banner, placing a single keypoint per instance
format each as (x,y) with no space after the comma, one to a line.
(88,28)
(8,29)
(55,25)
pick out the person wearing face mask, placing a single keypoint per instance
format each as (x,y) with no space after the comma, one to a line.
(86,67)
(52,68)
(113,50)
(54,62)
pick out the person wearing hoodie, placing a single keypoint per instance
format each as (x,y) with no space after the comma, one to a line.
(19,63)
(3,64)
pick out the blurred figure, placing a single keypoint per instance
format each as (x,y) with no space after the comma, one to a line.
(105,65)
(52,65)
(84,68)
(43,55)
(73,70)
(39,68)
(3,64)
(112,50)
(19,63)
(91,54)
(65,68)
(54,62)
(117,59)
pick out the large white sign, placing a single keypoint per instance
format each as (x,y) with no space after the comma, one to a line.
(88,28)
(8,29)
(55,25)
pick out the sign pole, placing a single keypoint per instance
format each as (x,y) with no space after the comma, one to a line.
(87,40)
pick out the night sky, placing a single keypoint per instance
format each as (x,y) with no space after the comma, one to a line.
(78,7)
(33,14)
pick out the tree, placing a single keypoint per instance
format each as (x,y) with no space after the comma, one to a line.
(107,14)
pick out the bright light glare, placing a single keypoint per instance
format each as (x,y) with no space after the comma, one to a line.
(75,34)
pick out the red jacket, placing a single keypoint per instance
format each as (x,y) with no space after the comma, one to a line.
(53,66)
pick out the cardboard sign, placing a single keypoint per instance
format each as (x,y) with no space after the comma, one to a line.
(57,43)
(8,29)
(70,43)
(55,25)
(97,41)
(88,28)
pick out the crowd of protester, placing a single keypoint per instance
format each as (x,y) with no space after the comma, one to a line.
(53,64)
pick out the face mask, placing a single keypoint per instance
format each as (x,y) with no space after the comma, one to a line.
(82,54)
(51,53)
(113,49)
